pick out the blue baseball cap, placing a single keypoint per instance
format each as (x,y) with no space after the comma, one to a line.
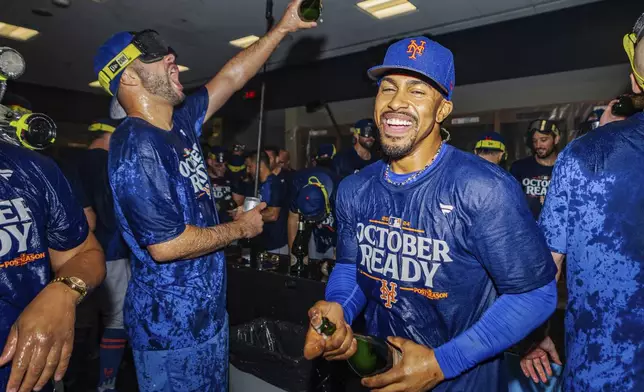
(311,202)
(491,141)
(423,56)
(365,127)
(107,53)
(326,151)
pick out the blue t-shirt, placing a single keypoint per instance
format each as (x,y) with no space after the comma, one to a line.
(273,193)
(160,185)
(92,168)
(433,256)
(348,162)
(37,212)
(324,233)
(594,214)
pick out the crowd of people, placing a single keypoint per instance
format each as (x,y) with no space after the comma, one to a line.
(452,258)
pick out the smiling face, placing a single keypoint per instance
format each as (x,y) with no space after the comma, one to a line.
(161,79)
(544,144)
(407,110)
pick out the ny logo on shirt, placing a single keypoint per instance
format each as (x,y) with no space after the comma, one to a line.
(388,294)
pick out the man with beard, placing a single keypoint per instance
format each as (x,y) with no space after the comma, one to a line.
(534,172)
(354,159)
(440,251)
(175,311)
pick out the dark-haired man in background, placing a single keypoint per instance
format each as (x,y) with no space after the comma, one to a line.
(534,172)
(272,191)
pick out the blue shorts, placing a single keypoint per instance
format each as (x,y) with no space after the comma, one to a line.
(202,368)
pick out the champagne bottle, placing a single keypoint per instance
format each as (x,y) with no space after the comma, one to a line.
(300,246)
(373,355)
(628,105)
(310,10)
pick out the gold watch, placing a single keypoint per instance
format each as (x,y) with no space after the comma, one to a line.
(75,284)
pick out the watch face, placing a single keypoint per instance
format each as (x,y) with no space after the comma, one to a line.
(78,282)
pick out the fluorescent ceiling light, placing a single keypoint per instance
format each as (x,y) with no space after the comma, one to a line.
(382,9)
(96,84)
(245,41)
(16,32)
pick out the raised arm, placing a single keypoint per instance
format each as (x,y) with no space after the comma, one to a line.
(241,68)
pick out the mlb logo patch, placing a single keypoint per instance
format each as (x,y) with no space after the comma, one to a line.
(395,222)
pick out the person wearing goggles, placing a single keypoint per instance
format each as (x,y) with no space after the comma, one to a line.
(175,312)
(534,172)
(354,159)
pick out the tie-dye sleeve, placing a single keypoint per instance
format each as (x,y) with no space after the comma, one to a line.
(554,215)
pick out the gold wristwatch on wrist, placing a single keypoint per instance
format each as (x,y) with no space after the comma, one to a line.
(75,284)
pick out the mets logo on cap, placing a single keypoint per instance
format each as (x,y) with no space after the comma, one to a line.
(422,56)
(415,48)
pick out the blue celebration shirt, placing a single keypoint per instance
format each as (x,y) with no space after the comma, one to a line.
(37,212)
(273,192)
(594,214)
(432,256)
(160,185)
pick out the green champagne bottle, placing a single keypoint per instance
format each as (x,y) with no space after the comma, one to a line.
(373,355)
(310,10)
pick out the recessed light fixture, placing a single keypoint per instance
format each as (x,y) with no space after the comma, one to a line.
(96,84)
(245,41)
(382,9)
(16,32)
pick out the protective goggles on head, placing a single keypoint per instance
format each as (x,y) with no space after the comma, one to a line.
(543,126)
(146,45)
(314,181)
(364,132)
(492,145)
(219,157)
(630,41)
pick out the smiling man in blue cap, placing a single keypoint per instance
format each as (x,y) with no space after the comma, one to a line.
(423,249)
(175,308)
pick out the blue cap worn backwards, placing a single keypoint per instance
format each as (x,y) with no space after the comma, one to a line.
(491,141)
(423,56)
(106,57)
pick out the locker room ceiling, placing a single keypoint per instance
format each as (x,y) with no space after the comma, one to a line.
(199,30)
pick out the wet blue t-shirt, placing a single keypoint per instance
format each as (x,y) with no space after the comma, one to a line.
(348,162)
(324,233)
(594,214)
(273,193)
(160,185)
(92,168)
(37,212)
(432,256)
